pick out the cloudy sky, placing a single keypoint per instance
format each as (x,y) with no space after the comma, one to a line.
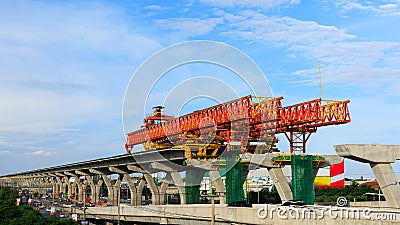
(65,66)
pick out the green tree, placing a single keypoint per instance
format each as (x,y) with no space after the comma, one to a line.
(266,196)
(353,191)
(10,214)
(8,196)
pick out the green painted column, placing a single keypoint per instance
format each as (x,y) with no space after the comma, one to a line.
(192,186)
(302,178)
(234,179)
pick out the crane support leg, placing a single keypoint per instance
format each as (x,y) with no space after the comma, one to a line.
(298,141)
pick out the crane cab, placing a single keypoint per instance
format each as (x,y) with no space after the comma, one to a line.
(157,117)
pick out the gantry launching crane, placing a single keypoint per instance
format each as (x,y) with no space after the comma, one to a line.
(248,123)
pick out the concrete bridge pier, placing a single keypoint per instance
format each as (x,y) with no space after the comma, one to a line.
(132,188)
(379,157)
(70,186)
(76,187)
(22,182)
(54,184)
(215,177)
(19,183)
(157,192)
(219,185)
(178,181)
(60,183)
(89,181)
(37,184)
(155,196)
(94,186)
(162,189)
(112,190)
(34,185)
(42,185)
(67,185)
(172,175)
(280,182)
(275,171)
(139,190)
(25,182)
(64,183)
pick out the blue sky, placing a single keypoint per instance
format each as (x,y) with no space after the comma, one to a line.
(65,66)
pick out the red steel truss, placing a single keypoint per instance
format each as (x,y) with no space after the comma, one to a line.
(249,116)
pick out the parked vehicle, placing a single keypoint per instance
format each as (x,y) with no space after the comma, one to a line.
(292,204)
(146,202)
(239,204)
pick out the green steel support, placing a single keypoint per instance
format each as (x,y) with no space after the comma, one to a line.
(302,178)
(234,180)
(192,187)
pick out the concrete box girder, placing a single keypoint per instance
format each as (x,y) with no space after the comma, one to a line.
(59,174)
(369,152)
(167,167)
(118,170)
(98,171)
(71,174)
(82,173)
(134,168)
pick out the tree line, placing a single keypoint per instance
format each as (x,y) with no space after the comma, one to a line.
(353,192)
(10,214)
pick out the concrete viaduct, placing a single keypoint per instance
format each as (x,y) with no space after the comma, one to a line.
(173,161)
(57,178)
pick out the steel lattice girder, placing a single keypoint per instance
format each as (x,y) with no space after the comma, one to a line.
(260,117)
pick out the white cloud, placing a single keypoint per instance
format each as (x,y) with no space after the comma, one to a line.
(4,152)
(53,86)
(41,152)
(257,27)
(383,8)
(364,64)
(3,141)
(154,7)
(27,110)
(83,26)
(344,58)
(65,67)
(268,4)
(58,64)
(190,26)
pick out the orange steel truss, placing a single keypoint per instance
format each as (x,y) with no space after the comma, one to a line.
(248,118)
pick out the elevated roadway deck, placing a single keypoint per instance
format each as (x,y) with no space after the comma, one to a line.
(135,162)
